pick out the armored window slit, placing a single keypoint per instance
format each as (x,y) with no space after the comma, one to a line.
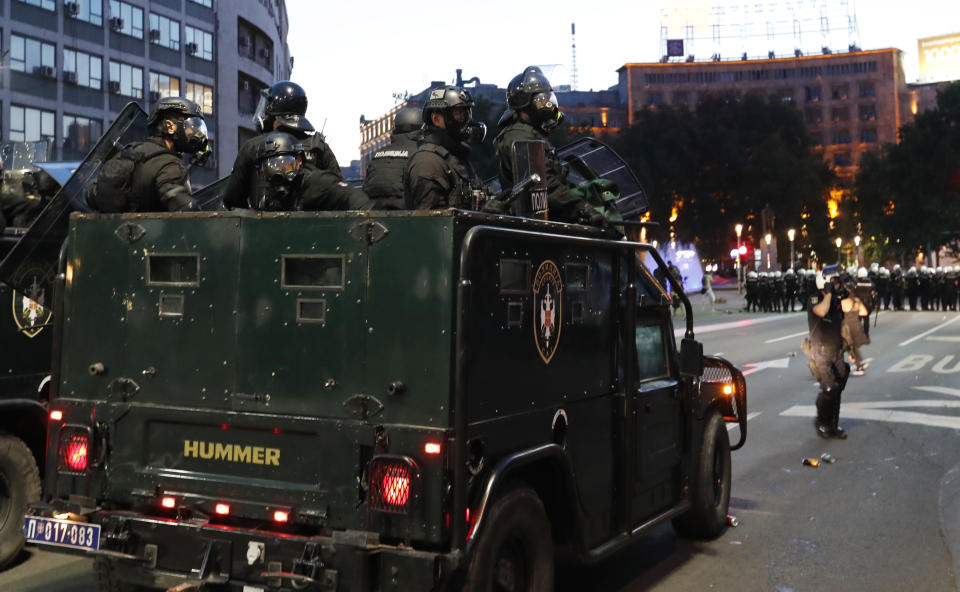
(306,272)
(578,277)
(311,310)
(514,314)
(576,314)
(170,305)
(173,270)
(514,276)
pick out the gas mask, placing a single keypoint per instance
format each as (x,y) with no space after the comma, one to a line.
(280,177)
(546,111)
(191,135)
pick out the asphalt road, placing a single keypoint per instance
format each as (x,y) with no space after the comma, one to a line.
(884,517)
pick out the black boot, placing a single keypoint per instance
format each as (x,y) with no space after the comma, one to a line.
(835,429)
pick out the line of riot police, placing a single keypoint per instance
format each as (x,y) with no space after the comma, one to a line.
(879,288)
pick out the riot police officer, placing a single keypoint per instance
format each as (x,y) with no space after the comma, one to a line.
(950,287)
(789,290)
(150,176)
(825,320)
(863,289)
(752,287)
(384,180)
(282,108)
(912,286)
(282,182)
(897,287)
(439,174)
(926,287)
(533,112)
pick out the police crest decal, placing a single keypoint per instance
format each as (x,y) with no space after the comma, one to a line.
(31,311)
(547,309)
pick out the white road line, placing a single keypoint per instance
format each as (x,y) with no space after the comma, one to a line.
(866,412)
(731,325)
(939,389)
(750,416)
(928,332)
(949,338)
(802,333)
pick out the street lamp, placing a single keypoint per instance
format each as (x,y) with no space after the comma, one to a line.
(856,241)
(767,239)
(839,242)
(790,235)
(739,228)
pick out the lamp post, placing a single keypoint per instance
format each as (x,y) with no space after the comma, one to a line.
(839,242)
(856,241)
(767,240)
(739,228)
(790,235)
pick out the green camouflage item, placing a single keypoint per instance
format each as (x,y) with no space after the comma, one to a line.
(602,195)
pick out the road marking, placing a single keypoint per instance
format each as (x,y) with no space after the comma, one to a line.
(732,325)
(750,416)
(949,338)
(883,411)
(939,389)
(755,366)
(800,334)
(928,332)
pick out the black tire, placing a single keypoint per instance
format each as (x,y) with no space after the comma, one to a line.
(515,549)
(19,485)
(107,578)
(710,487)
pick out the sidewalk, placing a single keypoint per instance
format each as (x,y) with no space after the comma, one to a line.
(728,302)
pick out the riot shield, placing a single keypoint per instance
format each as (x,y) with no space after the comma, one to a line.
(40,247)
(210,197)
(529,192)
(591,159)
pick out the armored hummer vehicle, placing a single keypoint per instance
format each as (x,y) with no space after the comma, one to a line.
(371,401)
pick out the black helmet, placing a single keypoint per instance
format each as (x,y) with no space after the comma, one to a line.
(191,134)
(408,119)
(284,100)
(279,171)
(530,92)
(455,105)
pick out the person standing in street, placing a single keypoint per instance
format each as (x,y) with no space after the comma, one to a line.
(825,348)
(707,288)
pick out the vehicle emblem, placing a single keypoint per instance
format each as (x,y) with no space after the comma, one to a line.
(31,312)
(547,309)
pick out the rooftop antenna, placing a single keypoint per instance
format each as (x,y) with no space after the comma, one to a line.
(573,37)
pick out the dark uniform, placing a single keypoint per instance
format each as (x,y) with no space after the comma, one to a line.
(864,291)
(324,190)
(789,290)
(439,174)
(827,365)
(18,210)
(897,287)
(160,180)
(317,156)
(384,180)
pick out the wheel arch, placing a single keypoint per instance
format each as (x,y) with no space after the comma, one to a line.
(548,471)
(26,419)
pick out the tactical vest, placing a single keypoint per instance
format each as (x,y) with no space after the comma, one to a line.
(385,173)
(460,174)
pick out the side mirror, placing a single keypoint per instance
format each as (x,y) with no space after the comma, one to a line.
(691,358)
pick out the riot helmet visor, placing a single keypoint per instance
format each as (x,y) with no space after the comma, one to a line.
(260,113)
(545,101)
(281,166)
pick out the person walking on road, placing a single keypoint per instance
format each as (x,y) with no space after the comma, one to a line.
(825,348)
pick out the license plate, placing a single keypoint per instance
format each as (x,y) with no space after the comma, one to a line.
(61,533)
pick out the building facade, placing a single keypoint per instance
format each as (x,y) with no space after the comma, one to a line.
(851,102)
(73,65)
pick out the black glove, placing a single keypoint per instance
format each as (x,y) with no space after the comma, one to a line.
(591,217)
(494,206)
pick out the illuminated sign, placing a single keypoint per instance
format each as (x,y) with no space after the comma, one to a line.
(939,58)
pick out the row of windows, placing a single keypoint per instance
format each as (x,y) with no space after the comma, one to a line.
(707,76)
(814,115)
(88,10)
(843,136)
(82,69)
(812,94)
(78,133)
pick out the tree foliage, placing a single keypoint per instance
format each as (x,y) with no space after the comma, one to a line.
(910,191)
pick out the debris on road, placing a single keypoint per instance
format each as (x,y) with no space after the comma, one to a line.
(811,462)
(828,458)
(732,521)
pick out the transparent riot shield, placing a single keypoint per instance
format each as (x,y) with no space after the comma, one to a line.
(210,197)
(39,248)
(591,159)
(529,192)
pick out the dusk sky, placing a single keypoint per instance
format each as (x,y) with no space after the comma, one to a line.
(352,57)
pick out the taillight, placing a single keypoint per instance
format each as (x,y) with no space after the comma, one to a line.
(392,483)
(73,450)
(222,509)
(56,415)
(168,502)
(281,516)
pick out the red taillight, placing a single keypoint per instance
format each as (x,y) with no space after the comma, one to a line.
(73,450)
(281,516)
(222,509)
(56,415)
(432,448)
(392,480)
(168,502)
